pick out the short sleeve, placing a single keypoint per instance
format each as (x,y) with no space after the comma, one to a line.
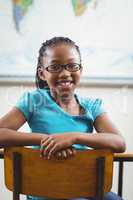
(97,108)
(25,105)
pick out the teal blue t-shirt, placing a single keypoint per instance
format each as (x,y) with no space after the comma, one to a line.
(44,115)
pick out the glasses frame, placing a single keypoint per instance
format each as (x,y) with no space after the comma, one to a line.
(62,66)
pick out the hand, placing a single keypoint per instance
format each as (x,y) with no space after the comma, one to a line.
(56,142)
(66,153)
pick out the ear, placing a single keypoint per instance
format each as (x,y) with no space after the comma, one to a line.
(41,73)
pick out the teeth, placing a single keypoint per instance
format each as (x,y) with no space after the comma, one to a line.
(64,83)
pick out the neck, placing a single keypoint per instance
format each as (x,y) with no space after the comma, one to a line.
(64,101)
(68,103)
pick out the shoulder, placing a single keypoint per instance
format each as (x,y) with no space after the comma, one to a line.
(90,103)
(34,96)
(94,106)
(36,92)
(30,101)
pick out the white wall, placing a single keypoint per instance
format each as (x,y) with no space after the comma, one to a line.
(118,103)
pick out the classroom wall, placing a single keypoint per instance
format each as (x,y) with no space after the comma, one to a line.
(117,101)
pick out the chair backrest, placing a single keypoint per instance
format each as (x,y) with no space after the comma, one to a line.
(87,174)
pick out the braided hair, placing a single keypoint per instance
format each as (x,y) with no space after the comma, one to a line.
(51,43)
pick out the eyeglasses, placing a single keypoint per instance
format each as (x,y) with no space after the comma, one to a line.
(56,68)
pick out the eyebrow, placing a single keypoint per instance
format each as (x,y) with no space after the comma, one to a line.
(57,61)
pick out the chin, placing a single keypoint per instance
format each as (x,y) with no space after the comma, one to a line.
(66,94)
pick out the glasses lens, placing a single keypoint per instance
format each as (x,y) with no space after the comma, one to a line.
(53,68)
(73,67)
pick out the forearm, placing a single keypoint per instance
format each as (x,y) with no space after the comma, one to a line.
(112,141)
(9,137)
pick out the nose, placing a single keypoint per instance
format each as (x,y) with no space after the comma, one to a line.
(64,73)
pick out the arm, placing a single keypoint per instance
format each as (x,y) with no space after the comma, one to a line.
(107,137)
(9,136)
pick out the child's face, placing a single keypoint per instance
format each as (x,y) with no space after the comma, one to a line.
(63,82)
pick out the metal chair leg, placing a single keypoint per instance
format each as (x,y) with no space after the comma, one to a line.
(100,181)
(16,175)
(120,179)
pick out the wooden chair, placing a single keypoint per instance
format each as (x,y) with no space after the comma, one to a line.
(87,174)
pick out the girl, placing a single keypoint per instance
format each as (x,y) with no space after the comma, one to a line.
(61,121)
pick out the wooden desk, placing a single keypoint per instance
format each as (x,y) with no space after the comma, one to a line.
(121,158)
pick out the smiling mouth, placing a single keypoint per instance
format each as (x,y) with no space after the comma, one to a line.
(64,83)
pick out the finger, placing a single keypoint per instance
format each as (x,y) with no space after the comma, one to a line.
(45,146)
(73,151)
(58,155)
(69,152)
(49,147)
(64,154)
(53,150)
(44,140)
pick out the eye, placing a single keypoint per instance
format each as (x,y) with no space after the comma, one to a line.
(53,68)
(73,66)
